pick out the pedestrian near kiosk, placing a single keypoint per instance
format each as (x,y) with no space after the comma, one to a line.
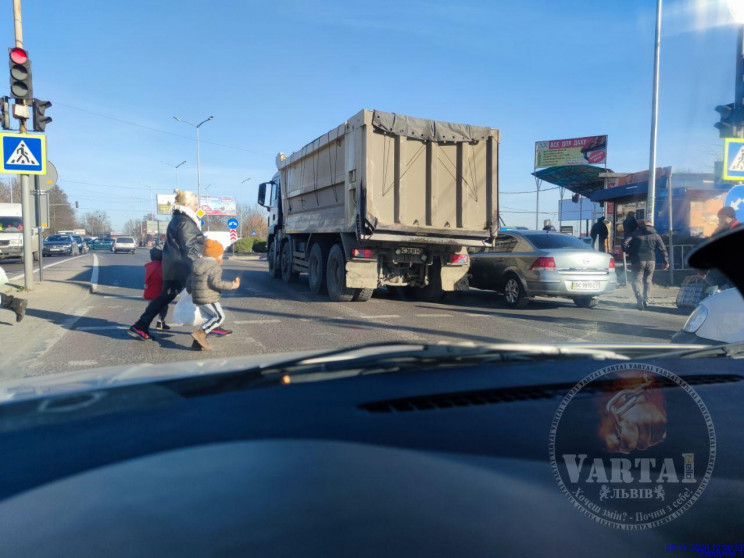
(206,286)
(726,219)
(629,224)
(600,235)
(548,225)
(642,246)
(184,244)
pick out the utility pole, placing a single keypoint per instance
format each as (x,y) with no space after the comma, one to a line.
(28,249)
(198,162)
(651,199)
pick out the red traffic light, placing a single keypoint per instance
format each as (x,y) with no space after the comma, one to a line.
(18,55)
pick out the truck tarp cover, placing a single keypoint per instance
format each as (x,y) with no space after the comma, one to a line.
(428,130)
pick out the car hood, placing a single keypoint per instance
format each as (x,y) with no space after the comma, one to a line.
(33,387)
(725,321)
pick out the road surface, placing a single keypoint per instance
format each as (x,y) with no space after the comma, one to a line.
(70,328)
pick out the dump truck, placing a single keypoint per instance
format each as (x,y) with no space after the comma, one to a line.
(383,199)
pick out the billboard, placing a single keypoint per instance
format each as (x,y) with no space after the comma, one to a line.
(591,150)
(165,203)
(568,210)
(218,206)
(151,227)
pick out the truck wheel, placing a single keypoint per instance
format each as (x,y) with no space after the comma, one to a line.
(336,276)
(586,301)
(362,295)
(288,276)
(514,292)
(274,271)
(316,269)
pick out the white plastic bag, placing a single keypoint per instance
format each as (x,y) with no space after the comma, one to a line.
(3,277)
(186,312)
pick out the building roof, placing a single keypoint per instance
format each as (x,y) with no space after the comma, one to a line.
(579,179)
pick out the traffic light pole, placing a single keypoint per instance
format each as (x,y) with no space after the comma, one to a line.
(739,82)
(28,249)
(651,198)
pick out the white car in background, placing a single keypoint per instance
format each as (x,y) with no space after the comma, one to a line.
(718,318)
(124,244)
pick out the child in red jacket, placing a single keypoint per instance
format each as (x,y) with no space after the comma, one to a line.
(154,283)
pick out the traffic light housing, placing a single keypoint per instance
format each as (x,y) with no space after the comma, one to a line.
(40,120)
(20,74)
(731,122)
(5,112)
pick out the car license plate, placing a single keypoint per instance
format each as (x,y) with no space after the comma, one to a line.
(585,285)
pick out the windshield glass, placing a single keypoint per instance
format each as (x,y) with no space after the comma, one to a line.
(548,241)
(58,238)
(11,224)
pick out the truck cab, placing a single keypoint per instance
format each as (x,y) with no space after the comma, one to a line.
(269,196)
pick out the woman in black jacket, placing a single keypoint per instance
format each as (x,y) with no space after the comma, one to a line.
(184,244)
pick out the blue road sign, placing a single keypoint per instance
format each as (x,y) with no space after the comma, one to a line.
(733,159)
(735,199)
(202,222)
(22,154)
(253,233)
(232,223)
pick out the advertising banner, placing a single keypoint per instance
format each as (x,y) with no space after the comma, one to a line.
(165,203)
(591,150)
(218,206)
(151,227)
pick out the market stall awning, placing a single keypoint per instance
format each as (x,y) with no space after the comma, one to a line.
(579,179)
(621,192)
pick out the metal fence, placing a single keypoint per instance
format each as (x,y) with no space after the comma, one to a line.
(679,258)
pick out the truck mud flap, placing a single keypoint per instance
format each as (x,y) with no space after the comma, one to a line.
(455,278)
(361,275)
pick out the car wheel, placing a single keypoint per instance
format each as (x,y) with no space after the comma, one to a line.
(586,301)
(514,292)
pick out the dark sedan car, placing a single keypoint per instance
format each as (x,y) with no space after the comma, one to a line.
(60,245)
(523,264)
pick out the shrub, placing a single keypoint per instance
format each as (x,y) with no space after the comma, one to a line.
(259,246)
(244,245)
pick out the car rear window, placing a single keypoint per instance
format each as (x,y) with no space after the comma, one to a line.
(127,239)
(549,241)
(58,238)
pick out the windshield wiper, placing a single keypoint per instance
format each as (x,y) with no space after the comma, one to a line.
(729,350)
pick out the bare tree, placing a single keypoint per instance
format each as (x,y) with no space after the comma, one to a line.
(252,218)
(61,212)
(97,223)
(14,186)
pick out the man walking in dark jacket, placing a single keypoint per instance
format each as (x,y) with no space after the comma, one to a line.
(642,245)
(600,235)
(184,244)
(629,224)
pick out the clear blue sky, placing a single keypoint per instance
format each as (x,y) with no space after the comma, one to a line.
(275,75)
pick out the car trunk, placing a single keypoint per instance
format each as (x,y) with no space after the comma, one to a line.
(585,262)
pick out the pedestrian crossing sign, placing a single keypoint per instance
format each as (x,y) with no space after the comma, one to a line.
(733,159)
(22,154)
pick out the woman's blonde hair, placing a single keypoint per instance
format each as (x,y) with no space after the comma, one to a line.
(184,197)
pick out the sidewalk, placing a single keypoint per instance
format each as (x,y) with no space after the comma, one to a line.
(245,257)
(662,297)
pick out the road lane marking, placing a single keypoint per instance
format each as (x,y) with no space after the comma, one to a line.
(94,275)
(20,275)
(243,322)
(99,328)
(82,363)
(382,317)
(433,315)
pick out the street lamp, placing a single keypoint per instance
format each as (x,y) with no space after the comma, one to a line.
(198,165)
(175,167)
(246,180)
(651,198)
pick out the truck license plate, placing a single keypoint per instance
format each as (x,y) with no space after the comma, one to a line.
(408,250)
(585,285)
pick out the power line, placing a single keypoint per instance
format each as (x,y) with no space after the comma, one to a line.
(121,120)
(530,191)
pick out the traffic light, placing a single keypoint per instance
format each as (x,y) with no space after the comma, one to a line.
(40,121)
(20,74)
(5,112)
(732,120)
(77,206)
